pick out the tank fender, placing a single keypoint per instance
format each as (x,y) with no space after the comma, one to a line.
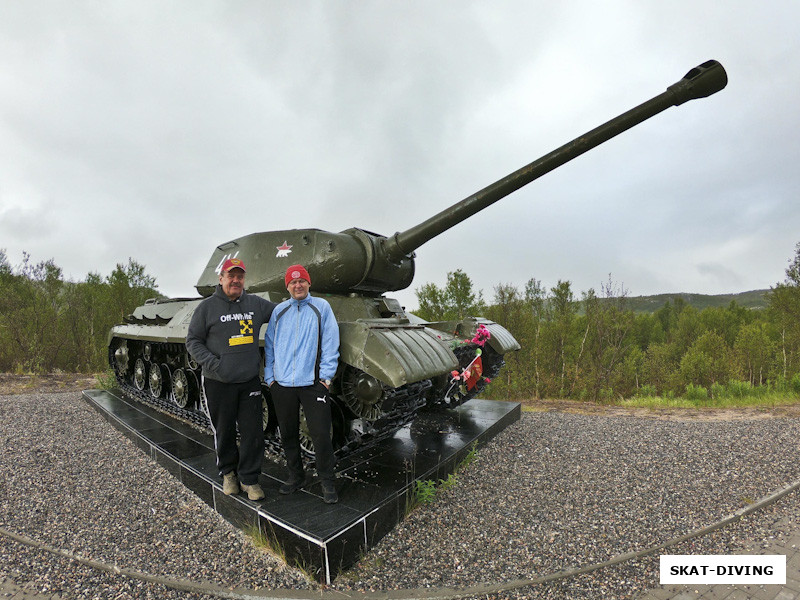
(166,322)
(394,354)
(501,340)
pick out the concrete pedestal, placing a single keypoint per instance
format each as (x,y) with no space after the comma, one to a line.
(375,485)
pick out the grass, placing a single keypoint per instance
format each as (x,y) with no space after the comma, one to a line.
(733,394)
(426,491)
(766,401)
(106,380)
(270,545)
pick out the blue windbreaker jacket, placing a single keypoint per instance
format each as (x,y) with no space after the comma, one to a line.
(290,342)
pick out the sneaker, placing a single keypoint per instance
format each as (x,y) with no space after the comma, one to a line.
(329,494)
(230,484)
(290,487)
(254,492)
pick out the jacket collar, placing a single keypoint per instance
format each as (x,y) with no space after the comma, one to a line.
(305,300)
(220,294)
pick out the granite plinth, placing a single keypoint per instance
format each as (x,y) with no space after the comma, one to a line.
(375,484)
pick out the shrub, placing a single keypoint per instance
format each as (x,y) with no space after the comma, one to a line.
(606,394)
(739,389)
(646,391)
(696,393)
(795,383)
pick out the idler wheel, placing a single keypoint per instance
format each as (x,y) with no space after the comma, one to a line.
(140,374)
(121,358)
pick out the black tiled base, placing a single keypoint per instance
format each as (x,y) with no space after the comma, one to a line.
(375,485)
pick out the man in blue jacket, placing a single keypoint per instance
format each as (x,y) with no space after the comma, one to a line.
(301,354)
(223,339)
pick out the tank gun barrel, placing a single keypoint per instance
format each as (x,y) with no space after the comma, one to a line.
(360,261)
(702,81)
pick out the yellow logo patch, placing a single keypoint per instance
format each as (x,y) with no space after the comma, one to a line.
(240,340)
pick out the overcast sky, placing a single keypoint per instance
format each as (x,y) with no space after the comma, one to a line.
(159,130)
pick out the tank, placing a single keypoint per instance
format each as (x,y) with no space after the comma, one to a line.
(392,364)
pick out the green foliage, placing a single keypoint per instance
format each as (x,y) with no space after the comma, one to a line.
(432,305)
(455,301)
(755,300)
(107,380)
(600,347)
(646,391)
(736,389)
(470,458)
(47,323)
(606,346)
(696,393)
(424,491)
(784,304)
(446,484)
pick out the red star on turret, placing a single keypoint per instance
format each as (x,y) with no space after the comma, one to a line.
(283,251)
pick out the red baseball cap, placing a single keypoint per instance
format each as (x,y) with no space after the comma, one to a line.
(297,272)
(233,263)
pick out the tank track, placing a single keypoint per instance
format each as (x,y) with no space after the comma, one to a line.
(406,401)
(195,418)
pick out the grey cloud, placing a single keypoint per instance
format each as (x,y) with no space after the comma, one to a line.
(159,131)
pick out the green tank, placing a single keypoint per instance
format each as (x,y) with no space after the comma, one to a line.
(392,364)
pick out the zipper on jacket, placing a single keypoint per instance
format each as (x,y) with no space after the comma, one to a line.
(296,337)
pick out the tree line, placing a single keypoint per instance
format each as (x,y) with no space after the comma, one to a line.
(595,347)
(48,324)
(592,347)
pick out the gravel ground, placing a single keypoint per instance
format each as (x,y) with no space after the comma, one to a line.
(71,481)
(554,491)
(559,491)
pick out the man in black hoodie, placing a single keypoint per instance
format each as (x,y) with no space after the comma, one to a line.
(223,339)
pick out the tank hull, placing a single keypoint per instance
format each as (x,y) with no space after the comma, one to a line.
(392,365)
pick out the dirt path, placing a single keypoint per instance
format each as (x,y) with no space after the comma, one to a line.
(674,414)
(55,382)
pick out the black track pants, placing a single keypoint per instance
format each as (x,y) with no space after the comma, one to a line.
(230,404)
(315,401)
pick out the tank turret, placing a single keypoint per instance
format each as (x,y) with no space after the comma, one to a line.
(392,364)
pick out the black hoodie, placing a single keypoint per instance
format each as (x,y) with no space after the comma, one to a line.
(223,335)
